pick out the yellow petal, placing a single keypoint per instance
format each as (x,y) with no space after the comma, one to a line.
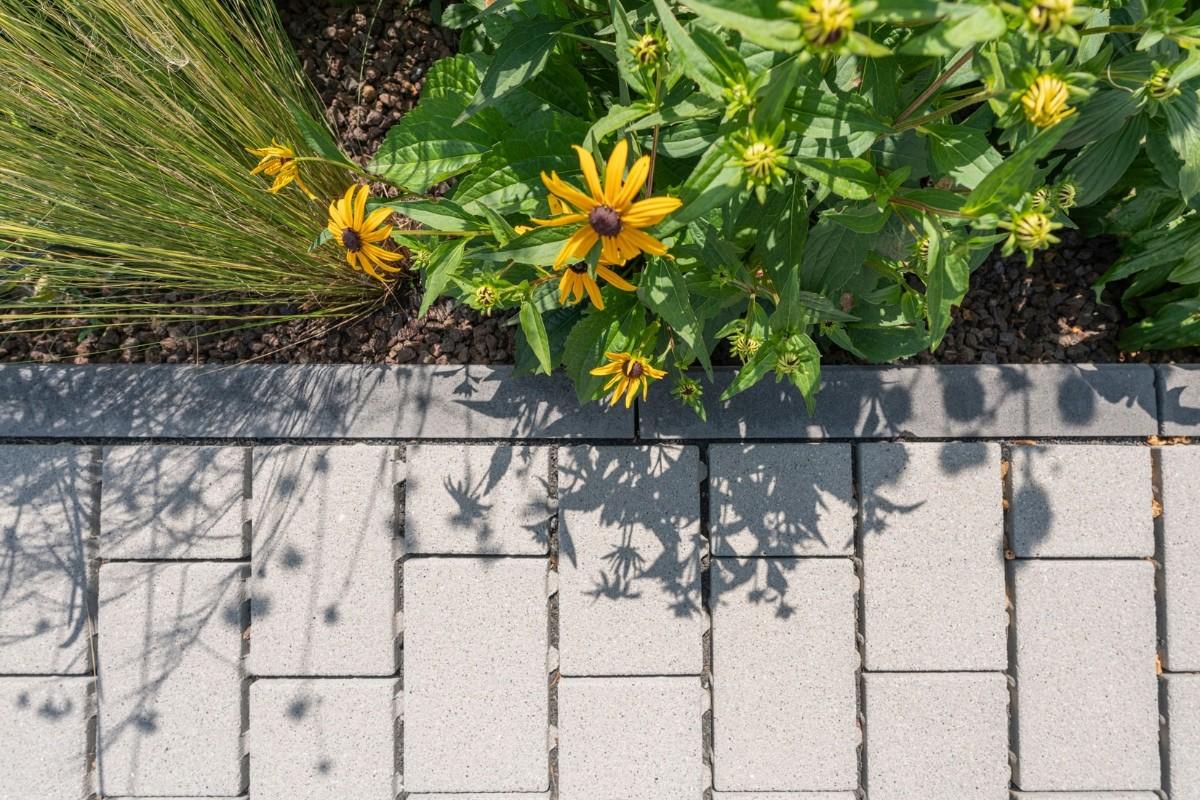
(557,221)
(616,356)
(593,291)
(607,369)
(616,395)
(608,249)
(614,171)
(645,213)
(564,288)
(590,176)
(360,207)
(377,218)
(644,242)
(568,193)
(631,392)
(614,279)
(378,252)
(633,183)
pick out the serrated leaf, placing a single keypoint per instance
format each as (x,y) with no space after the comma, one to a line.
(520,57)
(439,215)
(539,247)
(457,76)
(424,148)
(444,263)
(508,176)
(832,257)
(962,153)
(535,335)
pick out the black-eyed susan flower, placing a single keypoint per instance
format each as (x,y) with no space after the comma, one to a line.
(1049,16)
(576,282)
(630,373)
(608,214)
(278,162)
(1045,102)
(360,233)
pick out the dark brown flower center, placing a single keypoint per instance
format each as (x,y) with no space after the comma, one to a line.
(634,369)
(605,220)
(352,240)
(579,267)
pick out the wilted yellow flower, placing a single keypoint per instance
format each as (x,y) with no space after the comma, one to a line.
(360,234)
(1045,101)
(629,374)
(278,162)
(1048,16)
(608,213)
(576,282)
(826,22)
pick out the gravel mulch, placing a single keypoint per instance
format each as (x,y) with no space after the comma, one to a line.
(368,62)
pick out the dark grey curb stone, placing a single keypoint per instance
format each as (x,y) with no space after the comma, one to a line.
(262,401)
(927,402)
(256,401)
(1179,399)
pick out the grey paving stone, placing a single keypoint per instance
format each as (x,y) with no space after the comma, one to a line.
(629,563)
(170,686)
(1081,500)
(937,736)
(485,796)
(1179,399)
(1085,796)
(168,502)
(785,796)
(43,738)
(311,401)
(781,499)
(475,675)
(323,580)
(1087,696)
(46,510)
(630,737)
(933,557)
(323,739)
(1183,736)
(477,500)
(1181,556)
(784,675)
(945,401)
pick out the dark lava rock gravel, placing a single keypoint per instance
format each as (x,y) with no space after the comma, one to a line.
(367,61)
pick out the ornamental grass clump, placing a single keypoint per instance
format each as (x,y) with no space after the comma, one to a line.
(126,188)
(765,179)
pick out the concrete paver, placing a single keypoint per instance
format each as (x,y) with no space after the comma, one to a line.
(629,562)
(784,675)
(477,500)
(44,737)
(323,582)
(933,557)
(630,737)
(937,736)
(1087,695)
(323,739)
(475,675)
(46,508)
(169,502)
(1181,556)
(1055,487)
(1183,736)
(781,499)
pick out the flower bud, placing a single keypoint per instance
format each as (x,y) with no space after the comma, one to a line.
(1045,101)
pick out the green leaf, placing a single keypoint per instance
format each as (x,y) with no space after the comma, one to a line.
(851,178)
(507,177)
(424,147)
(832,257)
(949,274)
(832,125)
(599,332)
(443,266)
(457,76)
(664,291)
(760,22)
(1183,131)
(984,23)
(520,57)
(535,335)
(439,215)
(317,137)
(782,234)
(539,247)
(1008,182)
(617,117)
(691,57)
(753,371)
(962,153)
(627,65)
(716,178)
(1101,164)
(320,239)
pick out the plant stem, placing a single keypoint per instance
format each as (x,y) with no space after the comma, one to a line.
(927,209)
(978,97)
(654,139)
(933,87)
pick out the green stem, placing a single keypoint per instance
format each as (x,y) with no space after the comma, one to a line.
(979,97)
(927,209)
(933,87)
(342,164)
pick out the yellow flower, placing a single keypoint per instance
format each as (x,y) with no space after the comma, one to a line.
(1045,101)
(576,281)
(278,162)
(629,373)
(360,234)
(1048,16)
(609,213)
(826,22)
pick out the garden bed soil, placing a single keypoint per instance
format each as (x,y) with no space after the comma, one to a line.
(368,62)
